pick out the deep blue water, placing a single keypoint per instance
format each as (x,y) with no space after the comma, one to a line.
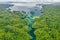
(32,34)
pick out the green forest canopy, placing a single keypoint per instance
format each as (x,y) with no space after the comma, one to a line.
(47,26)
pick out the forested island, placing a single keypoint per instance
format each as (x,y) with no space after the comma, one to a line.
(16,26)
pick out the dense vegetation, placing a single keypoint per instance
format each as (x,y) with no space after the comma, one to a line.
(48,25)
(13,26)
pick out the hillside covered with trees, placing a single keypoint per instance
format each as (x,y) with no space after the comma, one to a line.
(48,25)
(13,26)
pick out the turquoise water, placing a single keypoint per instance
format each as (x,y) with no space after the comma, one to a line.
(32,31)
(32,34)
(37,12)
(31,24)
